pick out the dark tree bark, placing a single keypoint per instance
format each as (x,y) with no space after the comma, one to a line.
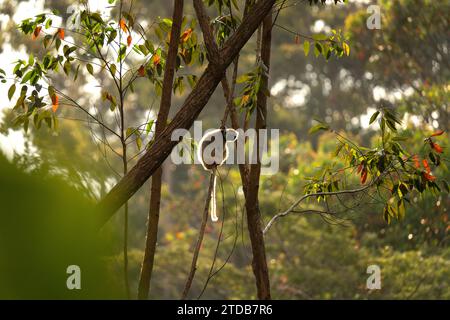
(259,263)
(161,120)
(184,119)
(250,184)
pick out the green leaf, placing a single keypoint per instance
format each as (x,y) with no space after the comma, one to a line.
(27,76)
(143,49)
(113,69)
(11,91)
(76,73)
(167,22)
(306,46)
(48,24)
(139,143)
(122,52)
(318,127)
(130,131)
(192,80)
(96,16)
(149,46)
(68,50)
(243,78)
(149,126)
(391,125)
(112,36)
(47,40)
(67,67)
(320,37)
(374,117)
(51,91)
(317,49)
(57,43)
(31,60)
(90,68)
(338,149)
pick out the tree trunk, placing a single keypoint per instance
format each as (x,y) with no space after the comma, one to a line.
(155,193)
(259,263)
(184,119)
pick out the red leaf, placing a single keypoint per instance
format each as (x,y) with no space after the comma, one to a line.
(55,102)
(129,39)
(364,176)
(186,35)
(429,177)
(61,33)
(36,32)
(436,147)
(437,133)
(416,161)
(426,166)
(123,25)
(156,59)
(360,167)
(141,71)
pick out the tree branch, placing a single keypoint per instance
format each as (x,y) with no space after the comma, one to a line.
(319,194)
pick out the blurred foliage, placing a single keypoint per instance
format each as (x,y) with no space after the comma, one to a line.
(45,227)
(408,53)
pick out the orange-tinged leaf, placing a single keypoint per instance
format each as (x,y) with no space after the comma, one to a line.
(426,166)
(416,161)
(179,235)
(186,35)
(364,176)
(429,177)
(156,59)
(297,39)
(436,147)
(36,32)
(55,102)
(123,25)
(437,133)
(129,39)
(61,33)
(141,71)
(360,167)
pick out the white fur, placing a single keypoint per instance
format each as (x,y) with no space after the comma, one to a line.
(213,203)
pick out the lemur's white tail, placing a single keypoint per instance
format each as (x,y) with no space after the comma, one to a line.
(213,203)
